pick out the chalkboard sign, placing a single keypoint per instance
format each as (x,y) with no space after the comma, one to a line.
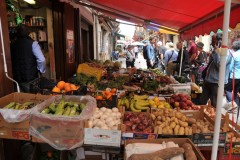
(206,139)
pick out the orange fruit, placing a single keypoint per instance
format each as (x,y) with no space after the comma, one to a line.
(56,89)
(73,87)
(99,98)
(67,88)
(61,84)
(67,85)
(114,90)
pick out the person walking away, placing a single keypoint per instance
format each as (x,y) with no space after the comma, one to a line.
(150,53)
(210,83)
(234,74)
(170,56)
(136,50)
(161,52)
(185,59)
(199,60)
(130,57)
(192,50)
(27,59)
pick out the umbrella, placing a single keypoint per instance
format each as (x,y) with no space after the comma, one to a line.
(137,44)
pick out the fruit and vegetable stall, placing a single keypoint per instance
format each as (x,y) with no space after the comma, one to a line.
(124,113)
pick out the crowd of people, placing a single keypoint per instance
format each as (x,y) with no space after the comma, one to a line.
(201,67)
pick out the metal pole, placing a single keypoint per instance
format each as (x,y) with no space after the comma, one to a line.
(180,70)
(4,58)
(223,55)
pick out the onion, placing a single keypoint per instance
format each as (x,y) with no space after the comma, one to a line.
(103,109)
(115,109)
(90,124)
(108,111)
(119,115)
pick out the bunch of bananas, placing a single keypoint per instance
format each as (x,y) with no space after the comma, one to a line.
(18,106)
(139,103)
(64,108)
(123,102)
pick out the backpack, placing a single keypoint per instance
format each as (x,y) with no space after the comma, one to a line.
(145,52)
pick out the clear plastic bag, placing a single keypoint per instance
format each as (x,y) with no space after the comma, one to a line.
(13,115)
(61,132)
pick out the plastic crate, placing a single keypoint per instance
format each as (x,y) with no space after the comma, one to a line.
(42,85)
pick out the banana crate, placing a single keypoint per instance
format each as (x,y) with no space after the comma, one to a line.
(61,131)
(14,122)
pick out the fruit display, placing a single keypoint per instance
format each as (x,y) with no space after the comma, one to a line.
(139,103)
(180,79)
(107,94)
(182,101)
(138,122)
(123,102)
(104,118)
(172,122)
(63,87)
(210,111)
(164,79)
(156,103)
(18,106)
(64,108)
(151,85)
(230,135)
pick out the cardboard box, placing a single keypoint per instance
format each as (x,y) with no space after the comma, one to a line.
(179,141)
(61,132)
(18,130)
(181,88)
(102,137)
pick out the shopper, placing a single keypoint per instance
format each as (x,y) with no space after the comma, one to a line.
(150,53)
(199,60)
(192,50)
(161,52)
(234,74)
(185,60)
(210,84)
(130,57)
(136,50)
(27,59)
(169,57)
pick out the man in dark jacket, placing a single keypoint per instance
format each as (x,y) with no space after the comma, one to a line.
(27,59)
(185,59)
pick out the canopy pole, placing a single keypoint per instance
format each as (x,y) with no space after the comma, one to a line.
(223,55)
(4,58)
(180,68)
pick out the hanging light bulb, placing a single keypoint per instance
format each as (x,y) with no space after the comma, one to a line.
(30,1)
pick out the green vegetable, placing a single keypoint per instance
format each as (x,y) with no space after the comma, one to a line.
(60,107)
(45,111)
(52,107)
(73,111)
(67,111)
(10,105)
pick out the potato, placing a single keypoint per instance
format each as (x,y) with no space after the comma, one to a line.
(160,130)
(183,124)
(153,116)
(181,131)
(191,120)
(176,130)
(172,125)
(156,129)
(164,130)
(159,118)
(159,122)
(190,131)
(188,152)
(186,131)
(183,118)
(168,119)
(163,124)
(178,115)
(163,118)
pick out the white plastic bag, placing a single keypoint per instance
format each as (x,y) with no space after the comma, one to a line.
(13,115)
(61,132)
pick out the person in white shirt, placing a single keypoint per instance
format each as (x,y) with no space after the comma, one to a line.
(135,50)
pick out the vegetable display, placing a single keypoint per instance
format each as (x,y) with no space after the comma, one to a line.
(138,122)
(18,106)
(172,122)
(64,108)
(104,118)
